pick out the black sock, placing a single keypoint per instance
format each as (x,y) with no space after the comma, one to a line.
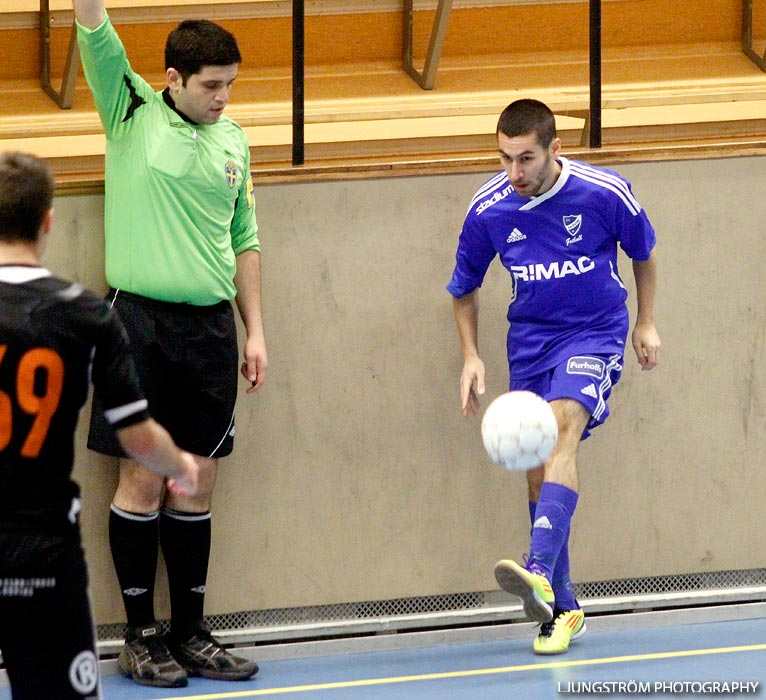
(185,539)
(133,538)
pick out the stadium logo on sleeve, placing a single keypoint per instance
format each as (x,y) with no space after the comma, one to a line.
(231,173)
(590,366)
(573,224)
(498,196)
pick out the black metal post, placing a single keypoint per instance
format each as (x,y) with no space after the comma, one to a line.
(298,82)
(594,138)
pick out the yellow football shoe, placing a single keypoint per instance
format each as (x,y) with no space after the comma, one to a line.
(555,636)
(533,588)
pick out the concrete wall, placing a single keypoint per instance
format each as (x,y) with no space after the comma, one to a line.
(355,477)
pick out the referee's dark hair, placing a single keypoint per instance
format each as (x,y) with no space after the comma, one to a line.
(26,196)
(528,117)
(196,43)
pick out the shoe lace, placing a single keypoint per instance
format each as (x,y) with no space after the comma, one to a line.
(546,628)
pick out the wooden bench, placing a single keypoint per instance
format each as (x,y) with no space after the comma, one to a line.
(141,11)
(130,10)
(352,118)
(361,105)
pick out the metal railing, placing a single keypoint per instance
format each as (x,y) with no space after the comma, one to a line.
(426,79)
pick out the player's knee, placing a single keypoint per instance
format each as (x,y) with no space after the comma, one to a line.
(572,418)
(139,490)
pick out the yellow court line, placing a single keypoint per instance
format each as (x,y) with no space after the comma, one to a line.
(476,672)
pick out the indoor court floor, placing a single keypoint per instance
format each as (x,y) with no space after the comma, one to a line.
(689,653)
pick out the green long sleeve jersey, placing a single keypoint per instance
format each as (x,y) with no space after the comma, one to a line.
(179,204)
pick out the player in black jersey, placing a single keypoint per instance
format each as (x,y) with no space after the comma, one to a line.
(55,337)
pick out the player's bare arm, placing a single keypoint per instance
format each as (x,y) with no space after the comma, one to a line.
(89,13)
(645,339)
(151,444)
(466,311)
(248,283)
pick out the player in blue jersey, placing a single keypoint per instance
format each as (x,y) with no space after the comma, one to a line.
(556,225)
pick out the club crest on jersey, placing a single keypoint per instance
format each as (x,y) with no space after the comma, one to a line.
(231,173)
(573,223)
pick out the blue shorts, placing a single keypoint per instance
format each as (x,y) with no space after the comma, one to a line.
(585,378)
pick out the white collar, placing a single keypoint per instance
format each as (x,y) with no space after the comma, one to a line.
(18,274)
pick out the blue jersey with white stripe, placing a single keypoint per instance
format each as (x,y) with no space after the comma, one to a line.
(561,251)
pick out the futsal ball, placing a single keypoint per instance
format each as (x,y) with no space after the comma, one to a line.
(519,430)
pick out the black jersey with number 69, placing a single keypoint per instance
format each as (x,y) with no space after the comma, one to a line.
(54,338)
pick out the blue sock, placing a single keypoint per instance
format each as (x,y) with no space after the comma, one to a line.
(550,530)
(561,582)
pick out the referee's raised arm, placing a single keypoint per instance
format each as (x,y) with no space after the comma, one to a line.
(89,13)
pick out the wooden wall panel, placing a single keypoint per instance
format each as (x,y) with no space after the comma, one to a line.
(354,476)
(266,42)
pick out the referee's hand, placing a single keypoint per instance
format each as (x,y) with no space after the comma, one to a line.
(255,364)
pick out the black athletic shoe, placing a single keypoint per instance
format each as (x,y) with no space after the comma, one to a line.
(201,655)
(145,658)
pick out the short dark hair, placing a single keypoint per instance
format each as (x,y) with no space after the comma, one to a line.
(527,117)
(26,196)
(196,43)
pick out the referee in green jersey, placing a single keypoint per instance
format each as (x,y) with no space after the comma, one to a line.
(181,244)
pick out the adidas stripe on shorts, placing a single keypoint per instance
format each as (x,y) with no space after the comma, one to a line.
(585,378)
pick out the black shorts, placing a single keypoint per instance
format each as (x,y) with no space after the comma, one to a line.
(187,361)
(44,596)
